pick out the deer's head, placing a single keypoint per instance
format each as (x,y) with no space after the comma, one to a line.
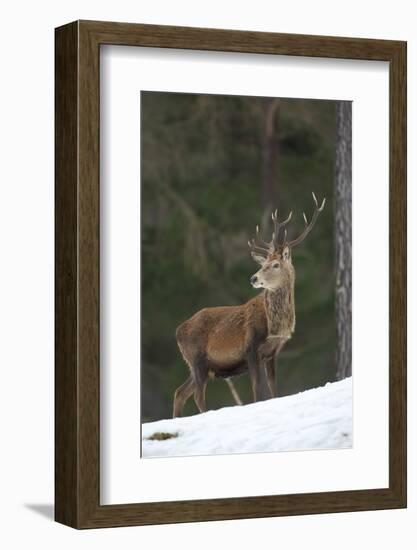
(274,257)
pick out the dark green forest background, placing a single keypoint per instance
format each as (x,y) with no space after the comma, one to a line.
(212,168)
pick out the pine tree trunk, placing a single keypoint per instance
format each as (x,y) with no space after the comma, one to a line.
(343,238)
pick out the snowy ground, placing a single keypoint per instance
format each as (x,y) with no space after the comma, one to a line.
(320,418)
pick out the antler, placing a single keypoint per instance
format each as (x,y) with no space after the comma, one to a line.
(308,226)
(264,248)
(257,249)
(259,246)
(277,226)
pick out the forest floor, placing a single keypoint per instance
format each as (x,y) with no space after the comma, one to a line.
(320,418)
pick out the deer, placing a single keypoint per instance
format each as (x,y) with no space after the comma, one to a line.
(223,342)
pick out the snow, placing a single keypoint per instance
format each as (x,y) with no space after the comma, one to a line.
(319,418)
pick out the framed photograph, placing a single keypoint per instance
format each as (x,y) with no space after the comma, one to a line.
(230,274)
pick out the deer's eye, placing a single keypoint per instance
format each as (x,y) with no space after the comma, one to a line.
(275,266)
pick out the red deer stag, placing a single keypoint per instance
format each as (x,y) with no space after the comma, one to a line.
(221,342)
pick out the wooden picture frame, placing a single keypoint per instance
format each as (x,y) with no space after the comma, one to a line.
(77,359)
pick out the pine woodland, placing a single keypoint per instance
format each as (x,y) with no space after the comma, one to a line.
(212,168)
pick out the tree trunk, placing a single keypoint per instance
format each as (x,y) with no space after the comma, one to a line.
(270,154)
(343,238)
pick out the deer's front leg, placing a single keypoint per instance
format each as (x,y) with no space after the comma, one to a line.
(269,352)
(270,375)
(254,371)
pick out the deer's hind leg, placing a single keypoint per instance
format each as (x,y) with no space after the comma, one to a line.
(197,382)
(181,396)
(200,375)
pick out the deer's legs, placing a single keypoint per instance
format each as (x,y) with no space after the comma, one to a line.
(200,375)
(270,375)
(234,391)
(182,394)
(253,366)
(200,397)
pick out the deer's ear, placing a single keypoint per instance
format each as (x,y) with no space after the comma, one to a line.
(258,258)
(286,254)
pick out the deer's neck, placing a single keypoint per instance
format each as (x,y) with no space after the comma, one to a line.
(280,310)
